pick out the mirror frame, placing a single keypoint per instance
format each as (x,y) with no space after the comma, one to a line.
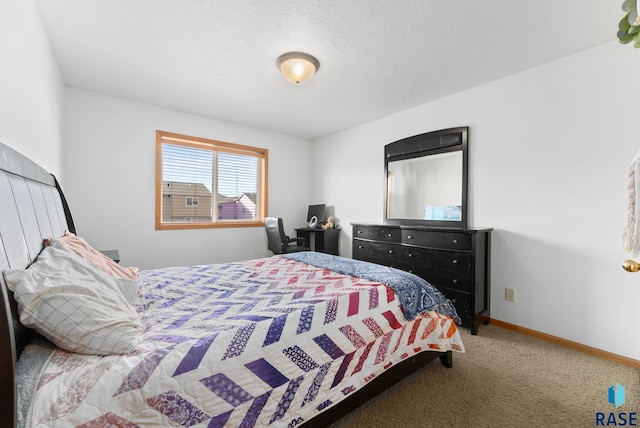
(427,144)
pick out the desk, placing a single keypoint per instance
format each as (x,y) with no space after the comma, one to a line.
(322,241)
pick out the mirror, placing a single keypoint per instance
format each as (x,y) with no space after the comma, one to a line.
(426,179)
(426,188)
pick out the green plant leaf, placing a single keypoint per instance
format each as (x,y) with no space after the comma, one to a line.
(636,44)
(624,24)
(627,5)
(633,29)
(625,37)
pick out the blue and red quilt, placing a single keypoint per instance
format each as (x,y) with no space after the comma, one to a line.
(266,342)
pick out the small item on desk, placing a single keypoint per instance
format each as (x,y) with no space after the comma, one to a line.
(631,266)
(329,224)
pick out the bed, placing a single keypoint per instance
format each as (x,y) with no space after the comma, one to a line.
(295,340)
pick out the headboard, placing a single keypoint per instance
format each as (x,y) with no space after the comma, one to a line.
(32,207)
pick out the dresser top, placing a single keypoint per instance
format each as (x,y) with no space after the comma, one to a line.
(422,227)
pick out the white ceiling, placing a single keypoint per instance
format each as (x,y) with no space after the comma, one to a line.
(217,58)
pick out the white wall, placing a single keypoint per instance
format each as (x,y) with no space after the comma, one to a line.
(549,150)
(31,87)
(109,161)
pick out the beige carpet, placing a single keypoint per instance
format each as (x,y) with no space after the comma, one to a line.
(505,379)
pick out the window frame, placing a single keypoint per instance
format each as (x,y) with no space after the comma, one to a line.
(216,146)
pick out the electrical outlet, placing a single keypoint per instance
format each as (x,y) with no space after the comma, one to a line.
(510,294)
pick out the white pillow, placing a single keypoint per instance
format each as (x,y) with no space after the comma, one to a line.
(128,287)
(73,304)
(96,258)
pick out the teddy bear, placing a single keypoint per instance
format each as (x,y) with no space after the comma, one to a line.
(329,224)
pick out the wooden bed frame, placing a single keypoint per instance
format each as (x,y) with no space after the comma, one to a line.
(32,208)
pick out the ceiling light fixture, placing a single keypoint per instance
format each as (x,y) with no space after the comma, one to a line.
(297,67)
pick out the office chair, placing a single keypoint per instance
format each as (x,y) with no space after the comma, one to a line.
(278,242)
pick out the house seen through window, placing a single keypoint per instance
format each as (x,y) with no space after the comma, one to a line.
(207,183)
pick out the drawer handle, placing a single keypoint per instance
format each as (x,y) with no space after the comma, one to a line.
(360,246)
(390,235)
(390,251)
(410,255)
(455,241)
(359,232)
(410,237)
(455,281)
(455,261)
(453,300)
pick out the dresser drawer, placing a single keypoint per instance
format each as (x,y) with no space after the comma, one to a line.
(383,253)
(441,268)
(460,300)
(438,259)
(449,261)
(462,303)
(386,234)
(432,239)
(446,279)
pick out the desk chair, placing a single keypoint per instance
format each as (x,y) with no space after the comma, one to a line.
(278,242)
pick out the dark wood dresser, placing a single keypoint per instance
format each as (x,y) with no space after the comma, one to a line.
(456,261)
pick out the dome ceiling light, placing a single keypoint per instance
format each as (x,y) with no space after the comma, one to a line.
(297,67)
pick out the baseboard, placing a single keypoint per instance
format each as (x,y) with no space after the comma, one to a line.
(569,344)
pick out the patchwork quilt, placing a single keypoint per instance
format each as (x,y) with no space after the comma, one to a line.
(266,342)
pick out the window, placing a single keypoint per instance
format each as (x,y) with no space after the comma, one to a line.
(204,183)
